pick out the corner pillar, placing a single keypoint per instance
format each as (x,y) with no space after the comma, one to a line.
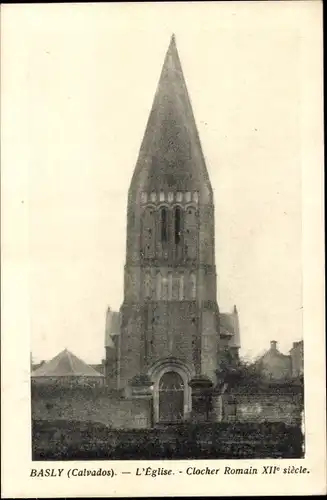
(202,388)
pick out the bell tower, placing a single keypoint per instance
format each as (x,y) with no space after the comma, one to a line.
(170,316)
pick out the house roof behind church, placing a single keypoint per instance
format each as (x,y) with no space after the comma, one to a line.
(272,353)
(65,364)
(112,327)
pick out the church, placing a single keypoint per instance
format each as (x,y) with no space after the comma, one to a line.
(168,337)
(171,355)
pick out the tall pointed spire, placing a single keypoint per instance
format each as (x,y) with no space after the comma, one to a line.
(171,152)
(170,273)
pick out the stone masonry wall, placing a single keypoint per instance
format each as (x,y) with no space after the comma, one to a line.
(285,408)
(108,410)
(129,413)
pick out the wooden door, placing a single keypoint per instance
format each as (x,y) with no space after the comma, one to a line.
(171,398)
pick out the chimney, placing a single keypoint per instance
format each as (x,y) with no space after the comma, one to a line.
(273,345)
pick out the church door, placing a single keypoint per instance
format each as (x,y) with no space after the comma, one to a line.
(171,398)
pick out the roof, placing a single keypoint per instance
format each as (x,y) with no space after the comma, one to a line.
(272,353)
(35,366)
(98,368)
(227,322)
(229,326)
(297,345)
(65,364)
(112,326)
(171,154)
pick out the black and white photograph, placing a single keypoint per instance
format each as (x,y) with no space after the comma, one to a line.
(162,191)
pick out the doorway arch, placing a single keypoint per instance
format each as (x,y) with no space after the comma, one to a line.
(172,395)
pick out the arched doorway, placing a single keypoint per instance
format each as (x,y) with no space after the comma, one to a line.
(171,397)
(182,374)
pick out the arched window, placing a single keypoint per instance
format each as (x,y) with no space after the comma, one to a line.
(181,287)
(193,286)
(190,233)
(164,225)
(148,230)
(159,286)
(170,286)
(144,197)
(164,288)
(177,224)
(175,286)
(148,286)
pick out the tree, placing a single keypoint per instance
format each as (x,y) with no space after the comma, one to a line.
(236,372)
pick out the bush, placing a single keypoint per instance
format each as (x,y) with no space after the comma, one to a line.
(91,441)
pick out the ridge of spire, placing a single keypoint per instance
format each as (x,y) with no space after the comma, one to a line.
(171,153)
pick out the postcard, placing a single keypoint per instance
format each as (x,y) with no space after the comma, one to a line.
(162,249)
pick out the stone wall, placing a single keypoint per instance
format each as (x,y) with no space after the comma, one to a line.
(258,407)
(109,408)
(96,406)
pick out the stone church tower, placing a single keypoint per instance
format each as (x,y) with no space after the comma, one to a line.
(169,319)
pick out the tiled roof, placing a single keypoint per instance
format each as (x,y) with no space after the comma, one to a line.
(65,364)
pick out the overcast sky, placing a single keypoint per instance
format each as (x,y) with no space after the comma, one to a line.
(87,77)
